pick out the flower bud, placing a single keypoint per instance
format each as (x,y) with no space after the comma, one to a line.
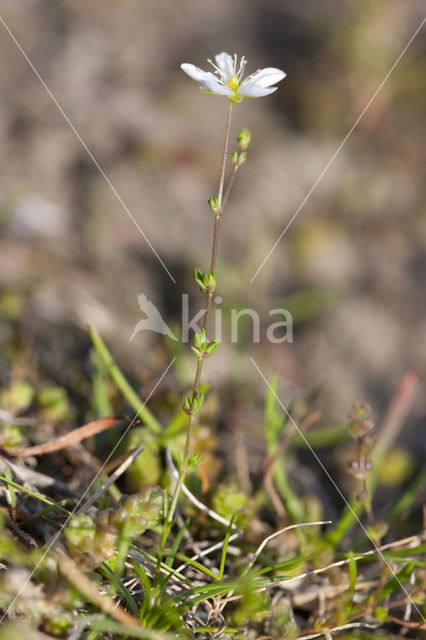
(214,205)
(211,281)
(200,339)
(244,138)
(206,281)
(212,345)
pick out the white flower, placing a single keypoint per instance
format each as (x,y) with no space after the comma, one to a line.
(227,81)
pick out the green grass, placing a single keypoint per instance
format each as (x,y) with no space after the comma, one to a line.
(227,583)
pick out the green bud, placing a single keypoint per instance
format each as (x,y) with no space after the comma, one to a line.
(206,281)
(234,157)
(242,158)
(199,279)
(214,205)
(212,345)
(210,281)
(200,339)
(244,138)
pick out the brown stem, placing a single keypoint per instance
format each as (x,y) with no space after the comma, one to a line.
(221,197)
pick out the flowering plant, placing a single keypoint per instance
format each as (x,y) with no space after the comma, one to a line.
(227,81)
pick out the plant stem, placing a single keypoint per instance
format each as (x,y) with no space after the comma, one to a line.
(187,451)
(220,190)
(222,198)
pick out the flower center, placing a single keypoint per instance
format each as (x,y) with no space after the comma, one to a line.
(234,83)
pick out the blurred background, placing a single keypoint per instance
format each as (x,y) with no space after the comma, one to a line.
(352,266)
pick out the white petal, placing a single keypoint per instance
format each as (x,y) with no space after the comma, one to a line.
(225,63)
(265,77)
(214,86)
(195,72)
(254,91)
(207,80)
